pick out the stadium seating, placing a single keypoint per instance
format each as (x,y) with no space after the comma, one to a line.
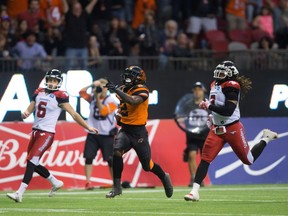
(257,34)
(215,35)
(243,36)
(237,46)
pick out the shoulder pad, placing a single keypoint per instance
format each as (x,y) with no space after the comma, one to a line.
(232,84)
(61,94)
(38,90)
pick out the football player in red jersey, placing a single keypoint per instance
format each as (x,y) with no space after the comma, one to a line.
(47,103)
(225,126)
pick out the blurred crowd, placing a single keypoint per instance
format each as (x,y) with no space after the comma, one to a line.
(165,28)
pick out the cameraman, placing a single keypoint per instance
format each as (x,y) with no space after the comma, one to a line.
(102,108)
(193,120)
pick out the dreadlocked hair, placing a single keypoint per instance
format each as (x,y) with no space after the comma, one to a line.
(245,83)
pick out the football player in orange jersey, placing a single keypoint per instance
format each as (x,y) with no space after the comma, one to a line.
(132,116)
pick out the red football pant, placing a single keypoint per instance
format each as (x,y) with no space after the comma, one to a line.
(235,136)
(40,141)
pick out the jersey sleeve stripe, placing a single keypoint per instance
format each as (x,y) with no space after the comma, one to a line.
(85,96)
(144,91)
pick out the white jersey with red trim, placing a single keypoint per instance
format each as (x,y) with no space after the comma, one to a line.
(218,98)
(47,110)
(103,123)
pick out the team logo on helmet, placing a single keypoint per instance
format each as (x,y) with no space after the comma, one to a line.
(133,75)
(225,70)
(56,74)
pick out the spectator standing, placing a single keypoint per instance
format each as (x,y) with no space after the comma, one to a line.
(281,24)
(203,16)
(117,9)
(76,33)
(15,8)
(140,11)
(52,12)
(32,15)
(235,14)
(26,52)
(53,42)
(94,53)
(101,14)
(253,9)
(148,36)
(129,8)
(96,30)
(264,21)
(4,49)
(183,47)
(181,10)
(117,48)
(168,41)
(21,30)
(6,30)
(116,32)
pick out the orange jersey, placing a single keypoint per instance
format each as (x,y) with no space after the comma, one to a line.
(236,7)
(134,114)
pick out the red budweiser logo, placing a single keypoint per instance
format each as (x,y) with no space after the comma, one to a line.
(64,158)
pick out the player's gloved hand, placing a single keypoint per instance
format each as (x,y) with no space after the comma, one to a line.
(111,86)
(205,104)
(209,121)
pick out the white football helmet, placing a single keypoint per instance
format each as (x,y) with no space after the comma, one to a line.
(225,69)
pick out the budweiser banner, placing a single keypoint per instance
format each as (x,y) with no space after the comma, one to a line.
(65,158)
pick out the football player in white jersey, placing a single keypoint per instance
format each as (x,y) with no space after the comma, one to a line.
(225,126)
(102,111)
(47,103)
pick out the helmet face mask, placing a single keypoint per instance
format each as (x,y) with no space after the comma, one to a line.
(133,75)
(225,70)
(53,74)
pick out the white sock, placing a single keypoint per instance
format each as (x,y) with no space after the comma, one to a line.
(22,188)
(195,188)
(52,179)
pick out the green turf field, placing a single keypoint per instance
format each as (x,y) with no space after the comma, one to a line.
(253,200)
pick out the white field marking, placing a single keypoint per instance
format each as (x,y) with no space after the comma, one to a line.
(81,177)
(132,191)
(169,200)
(43,210)
(124,212)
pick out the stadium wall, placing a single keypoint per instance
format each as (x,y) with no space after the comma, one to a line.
(264,107)
(65,159)
(268,97)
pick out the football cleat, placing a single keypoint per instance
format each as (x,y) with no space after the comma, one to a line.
(269,135)
(166,181)
(192,197)
(89,186)
(15,196)
(114,192)
(55,188)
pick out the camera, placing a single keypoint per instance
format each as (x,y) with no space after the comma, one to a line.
(98,89)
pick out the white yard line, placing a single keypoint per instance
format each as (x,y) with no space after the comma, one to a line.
(133,191)
(123,197)
(84,211)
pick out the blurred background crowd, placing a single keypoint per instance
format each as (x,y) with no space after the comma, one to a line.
(162,28)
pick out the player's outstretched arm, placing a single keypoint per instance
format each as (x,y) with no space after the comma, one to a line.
(29,110)
(130,99)
(67,107)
